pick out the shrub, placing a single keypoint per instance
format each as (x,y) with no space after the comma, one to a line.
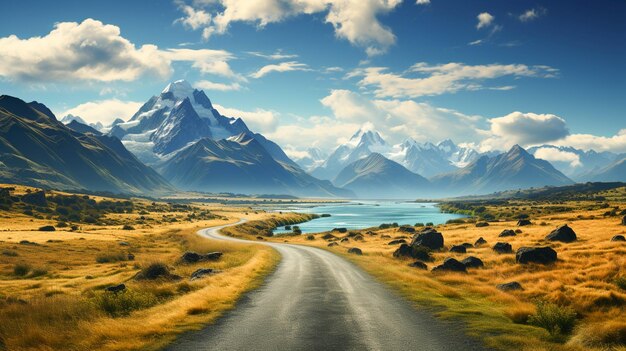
(123,303)
(128,227)
(47,228)
(419,224)
(310,237)
(62,225)
(111,257)
(9,253)
(154,271)
(429,224)
(21,269)
(38,272)
(454,221)
(553,318)
(621,282)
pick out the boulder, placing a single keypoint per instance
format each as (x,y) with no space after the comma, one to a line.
(358,237)
(618,238)
(509,286)
(116,288)
(467,245)
(340,230)
(328,236)
(458,249)
(385,236)
(482,224)
(201,273)
(213,256)
(420,252)
(47,228)
(543,255)
(502,248)
(355,251)
(472,262)
(507,232)
(450,264)
(130,257)
(563,233)
(523,222)
(624,220)
(480,242)
(333,244)
(124,243)
(397,242)
(345,240)
(37,198)
(428,237)
(418,264)
(194,257)
(406,229)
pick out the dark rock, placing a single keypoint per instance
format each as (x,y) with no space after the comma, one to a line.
(26,242)
(328,236)
(480,242)
(287,227)
(458,249)
(358,237)
(124,243)
(345,240)
(618,238)
(407,229)
(418,252)
(191,257)
(418,264)
(482,224)
(523,222)
(385,236)
(563,233)
(37,198)
(340,230)
(130,257)
(543,255)
(467,245)
(624,220)
(428,237)
(156,271)
(116,288)
(201,273)
(509,286)
(472,262)
(396,242)
(355,250)
(502,248)
(213,256)
(47,228)
(333,244)
(260,238)
(507,232)
(450,264)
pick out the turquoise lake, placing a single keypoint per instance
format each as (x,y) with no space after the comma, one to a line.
(365,214)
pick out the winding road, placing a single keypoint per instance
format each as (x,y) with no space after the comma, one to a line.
(316,300)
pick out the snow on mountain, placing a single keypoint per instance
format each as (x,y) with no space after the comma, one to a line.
(310,159)
(577,164)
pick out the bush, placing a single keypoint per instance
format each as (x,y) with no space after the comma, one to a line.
(621,282)
(38,272)
(310,237)
(124,302)
(111,257)
(128,227)
(553,318)
(47,228)
(429,224)
(154,271)
(21,269)
(419,224)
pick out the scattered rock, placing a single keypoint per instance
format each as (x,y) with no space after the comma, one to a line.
(507,232)
(193,257)
(518,231)
(260,238)
(130,257)
(345,240)
(124,243)
(397,242)
(37,198)
(358,237)
(450,264)
(472,262)
(509,286)
(467,245)
(482,224)
(418,264)
(406,229)
(523,222)
(333,244)
(428,237)
(156,271)
(201,273)
(328,236)
(385,236)
(458,249)
(624,220)
(543,255)
(421,253)
(563,233)
(355,250)
(502,248)
(213,256)
(116,288)
(26,242)
(618,238)
(128,227)
(340,230)
(47,228)
(480,242)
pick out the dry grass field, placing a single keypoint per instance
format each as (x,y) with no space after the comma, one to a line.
(585,288)
(52,283)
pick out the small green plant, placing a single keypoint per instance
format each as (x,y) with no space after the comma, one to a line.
(21,269)
(123,303)
(557,320)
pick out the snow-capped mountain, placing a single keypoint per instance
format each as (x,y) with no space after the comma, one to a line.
(69,118)
(312,158)
(577,164)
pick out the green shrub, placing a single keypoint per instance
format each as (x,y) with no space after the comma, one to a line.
(419,224)
(124,302)
(9,253)
(128,227)
(154,271)
(21,269)
(111,257)
(38,272)
(429,224)
(553,318)
(310,237)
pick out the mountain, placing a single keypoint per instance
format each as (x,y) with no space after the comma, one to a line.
(511,170)
(82,128)
(38,150)
(69,118)
(615,172)
(313,158)
(580,165)
(241,164)
(425,159)
(377,177)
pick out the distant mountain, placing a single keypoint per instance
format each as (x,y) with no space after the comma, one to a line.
(38,150)
(424,159)
(615,172)
(314,158)
(378,177)
(67,119)
(82,128)
(511,170)
(241,164)
(585,168)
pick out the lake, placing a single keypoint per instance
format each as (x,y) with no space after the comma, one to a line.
(365,214)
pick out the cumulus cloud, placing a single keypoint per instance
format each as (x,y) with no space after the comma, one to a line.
(353,20)
(193,18)
(555,155)
(485,19)
(209,85)
(281,67)
(104,111)
(258,120)
(423,79)
(615,143)
(532,14)
(524,129)
(94,51)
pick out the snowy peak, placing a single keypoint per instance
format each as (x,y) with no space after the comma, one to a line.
(366,138)
(67,119)
(179,89)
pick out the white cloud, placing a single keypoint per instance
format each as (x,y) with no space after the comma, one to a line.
(209,85)
(281,67)
(93,51)
(259,120)
(485,19)
(475,42)
(615,143)
(278,55)
(532,14)
(193,18)
(353,20)
(422,2)
(524,129)
(440,79)
(105,111)
(555,155)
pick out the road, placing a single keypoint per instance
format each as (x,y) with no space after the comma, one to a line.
(316,300)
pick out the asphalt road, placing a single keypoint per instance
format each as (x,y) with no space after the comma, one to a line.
(316,300)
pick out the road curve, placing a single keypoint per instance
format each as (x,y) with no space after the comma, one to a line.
(316,300)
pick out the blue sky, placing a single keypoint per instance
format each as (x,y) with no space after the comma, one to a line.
(422,69)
